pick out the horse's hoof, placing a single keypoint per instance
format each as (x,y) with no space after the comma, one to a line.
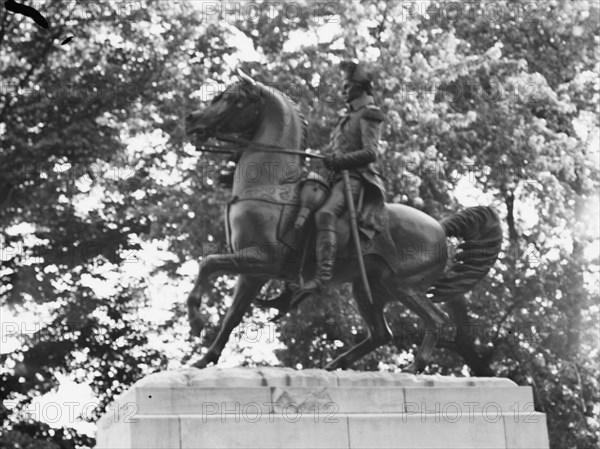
(412,369)
(196,326)
(277,317)
(200,365)
(208,358)
(332,366)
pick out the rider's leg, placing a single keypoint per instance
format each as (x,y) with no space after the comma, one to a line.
(326,220)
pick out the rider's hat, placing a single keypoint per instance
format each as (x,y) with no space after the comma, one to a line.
(354,72)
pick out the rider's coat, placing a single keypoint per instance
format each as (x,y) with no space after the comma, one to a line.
(354,143)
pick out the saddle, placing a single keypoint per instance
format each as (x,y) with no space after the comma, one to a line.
(373,225)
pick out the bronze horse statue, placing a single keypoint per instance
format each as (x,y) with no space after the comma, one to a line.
(264,245)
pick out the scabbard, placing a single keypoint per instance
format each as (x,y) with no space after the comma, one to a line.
(355,236)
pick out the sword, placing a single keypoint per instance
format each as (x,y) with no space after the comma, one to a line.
(355,236)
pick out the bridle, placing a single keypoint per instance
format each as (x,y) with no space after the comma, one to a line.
(241,143)
(214,131)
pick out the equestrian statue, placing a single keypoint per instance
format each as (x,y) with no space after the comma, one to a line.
(389,252)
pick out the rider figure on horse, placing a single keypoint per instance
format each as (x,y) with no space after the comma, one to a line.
(354,146)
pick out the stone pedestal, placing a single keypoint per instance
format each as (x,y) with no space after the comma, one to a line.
(284,408)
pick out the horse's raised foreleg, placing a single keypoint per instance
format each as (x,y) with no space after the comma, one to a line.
(245,291)
(433,318)
(255,262)
(372,314)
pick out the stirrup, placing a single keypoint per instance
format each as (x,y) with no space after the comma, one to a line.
(299,295)
(318,289)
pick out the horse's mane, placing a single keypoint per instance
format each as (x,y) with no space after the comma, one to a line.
(296,107)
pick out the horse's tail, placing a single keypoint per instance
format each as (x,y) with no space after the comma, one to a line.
(480,229)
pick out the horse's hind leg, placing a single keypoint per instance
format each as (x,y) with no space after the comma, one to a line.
(433,318)
(463,342)
(372,314)
(245,291)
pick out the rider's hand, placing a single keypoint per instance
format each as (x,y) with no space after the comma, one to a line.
(330,163)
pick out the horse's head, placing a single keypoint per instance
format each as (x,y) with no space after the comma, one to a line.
(235,111)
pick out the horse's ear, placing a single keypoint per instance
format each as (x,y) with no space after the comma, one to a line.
(245,78)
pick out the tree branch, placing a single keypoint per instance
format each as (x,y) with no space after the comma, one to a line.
(513,235)
(34,64)
(3,23)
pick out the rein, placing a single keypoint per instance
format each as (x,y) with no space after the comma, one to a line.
(253,145)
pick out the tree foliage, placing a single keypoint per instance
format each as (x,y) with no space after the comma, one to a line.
(95,171)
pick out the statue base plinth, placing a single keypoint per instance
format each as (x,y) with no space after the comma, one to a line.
(284,408)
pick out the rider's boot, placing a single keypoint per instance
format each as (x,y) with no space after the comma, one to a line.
(326,252)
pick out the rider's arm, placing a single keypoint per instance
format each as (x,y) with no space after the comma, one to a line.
(371,123)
